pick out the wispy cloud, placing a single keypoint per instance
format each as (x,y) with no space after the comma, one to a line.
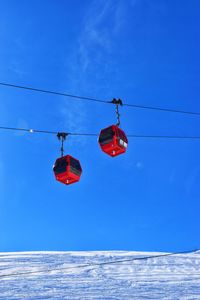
(97,41)
(16,68)
(92,62)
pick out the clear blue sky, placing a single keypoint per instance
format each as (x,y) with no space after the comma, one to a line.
(146,52)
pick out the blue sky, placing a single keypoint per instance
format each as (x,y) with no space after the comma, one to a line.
(145,52)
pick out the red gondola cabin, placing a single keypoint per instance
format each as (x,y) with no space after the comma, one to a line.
(67,169)
(113,140)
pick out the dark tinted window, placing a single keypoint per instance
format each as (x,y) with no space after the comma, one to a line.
(60,166)
(75,166)
(106,136)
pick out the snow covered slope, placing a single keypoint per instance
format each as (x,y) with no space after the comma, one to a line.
(80,275)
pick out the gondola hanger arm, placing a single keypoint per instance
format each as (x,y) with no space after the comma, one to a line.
(117,102)
(62,137)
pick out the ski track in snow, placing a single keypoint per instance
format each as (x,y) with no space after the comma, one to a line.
(61,277)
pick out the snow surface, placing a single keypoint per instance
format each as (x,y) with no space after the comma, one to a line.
(64,275)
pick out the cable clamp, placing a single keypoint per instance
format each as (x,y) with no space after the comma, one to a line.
(117,101)
(62,135)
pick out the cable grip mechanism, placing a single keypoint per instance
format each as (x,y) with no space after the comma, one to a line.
(117,102)
(62,137)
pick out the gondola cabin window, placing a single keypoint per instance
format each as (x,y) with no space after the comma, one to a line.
(60,166)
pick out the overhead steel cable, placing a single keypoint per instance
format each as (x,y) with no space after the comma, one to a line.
(52,92)
(45,131)
(98,264)
(139,106)
(163,109)
(27,130)
(95,134)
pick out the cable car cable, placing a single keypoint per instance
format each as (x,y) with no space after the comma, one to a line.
(52,92)
(100,264)
(95,134)
(163,109)
(28,130)
(97,100)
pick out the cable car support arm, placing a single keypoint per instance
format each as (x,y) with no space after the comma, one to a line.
(62,136)
(117,103)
